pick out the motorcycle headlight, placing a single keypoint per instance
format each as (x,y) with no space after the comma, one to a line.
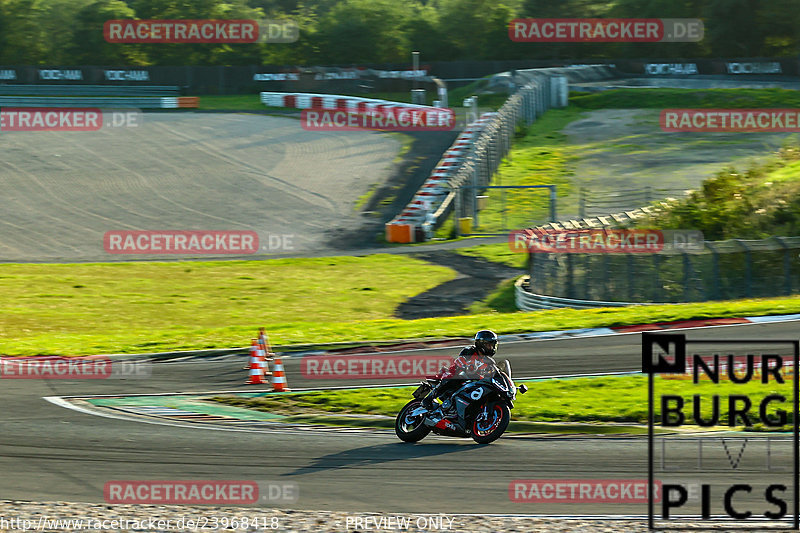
(500,384)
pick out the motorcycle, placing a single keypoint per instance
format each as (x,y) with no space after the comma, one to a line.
(487,415)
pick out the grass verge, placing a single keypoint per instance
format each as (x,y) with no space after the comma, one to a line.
(130,307)
(686,98)
(81,309)
(539,157)
(497,253)
(589,401)
(761,201)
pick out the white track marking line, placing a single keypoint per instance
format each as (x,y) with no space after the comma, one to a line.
(364,432)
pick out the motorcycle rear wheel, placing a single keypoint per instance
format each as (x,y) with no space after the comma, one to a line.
(414,431)
(486,431)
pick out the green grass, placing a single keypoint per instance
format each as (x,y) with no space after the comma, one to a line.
(129,307)
(686,98)
(755,203)
(77,309)
(362,200)
(501,300)
(540,157)
(620,399)
(486,100)
(498,253)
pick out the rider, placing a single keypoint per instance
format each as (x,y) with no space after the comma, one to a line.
(474,362)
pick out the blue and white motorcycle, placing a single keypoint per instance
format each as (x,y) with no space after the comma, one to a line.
(485,406)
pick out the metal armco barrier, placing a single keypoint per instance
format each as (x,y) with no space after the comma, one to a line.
(527,301)
(721,270)
(169,102)
(475,156)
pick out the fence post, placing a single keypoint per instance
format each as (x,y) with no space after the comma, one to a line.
(474,198)
(582,202)
(630,276)
(656,278)
(503,217)
(748,268)
(570,277)
(715,277)
(585,289)
(687,271)
(532,272)
(787,265)
(457,211)
(606,295)
(552,203)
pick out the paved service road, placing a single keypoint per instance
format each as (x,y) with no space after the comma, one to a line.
(190,171)
(48,452)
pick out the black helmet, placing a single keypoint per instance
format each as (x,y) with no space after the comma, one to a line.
(486,342)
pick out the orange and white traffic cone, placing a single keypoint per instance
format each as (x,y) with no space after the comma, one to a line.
(256,376)
(279,383)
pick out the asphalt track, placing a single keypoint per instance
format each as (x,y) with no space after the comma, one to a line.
(62,191)
(48,452)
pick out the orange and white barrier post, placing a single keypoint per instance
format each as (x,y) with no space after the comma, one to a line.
(263,341)
(279,383)
(256,375)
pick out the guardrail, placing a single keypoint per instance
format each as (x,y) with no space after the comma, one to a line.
(720,270)
(89,90)
(472,161)
(435,198)
(168,102)
(528,301)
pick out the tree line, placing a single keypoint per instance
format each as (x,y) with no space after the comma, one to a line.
(345,32)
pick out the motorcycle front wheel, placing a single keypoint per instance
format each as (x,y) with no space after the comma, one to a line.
(486,429)
(410,428)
